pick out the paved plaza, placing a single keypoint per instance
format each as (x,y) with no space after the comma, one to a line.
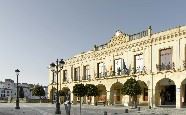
(49,109)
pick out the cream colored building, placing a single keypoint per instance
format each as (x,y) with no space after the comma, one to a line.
(156,60)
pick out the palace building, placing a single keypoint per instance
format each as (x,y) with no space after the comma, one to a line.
(156,60)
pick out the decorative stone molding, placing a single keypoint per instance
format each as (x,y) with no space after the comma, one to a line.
(120,41)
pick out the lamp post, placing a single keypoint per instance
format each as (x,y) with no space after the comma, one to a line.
(17,100)
(52,87)
(59,67)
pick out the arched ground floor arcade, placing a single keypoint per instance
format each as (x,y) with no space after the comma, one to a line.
(157,90)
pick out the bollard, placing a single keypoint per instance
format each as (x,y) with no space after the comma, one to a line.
(138,108)
(105,113)
(149,107)
(126,111)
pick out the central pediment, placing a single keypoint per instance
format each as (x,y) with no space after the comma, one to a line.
(118,38)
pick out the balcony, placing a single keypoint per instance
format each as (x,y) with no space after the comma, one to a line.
(107,74)
(122,72)
(86,77)
(102,75)
(162,67)
(139,70)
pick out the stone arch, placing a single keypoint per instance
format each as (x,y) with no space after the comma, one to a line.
(115,93)
(143,98)
(165,92)
(102,94)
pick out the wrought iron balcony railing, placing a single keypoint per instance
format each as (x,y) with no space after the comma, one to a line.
(122,72)
(86,77)
(138,70)
(112,73)
(163,67)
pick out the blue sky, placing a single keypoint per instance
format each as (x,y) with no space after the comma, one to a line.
(34,33)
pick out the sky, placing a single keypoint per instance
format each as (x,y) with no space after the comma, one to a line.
(34,33)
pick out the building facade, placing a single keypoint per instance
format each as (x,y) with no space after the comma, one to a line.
(156,60)
(8,90)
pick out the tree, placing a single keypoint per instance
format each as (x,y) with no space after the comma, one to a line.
(63,92)
(132,88)
(38,91)
(21,92)
(91,90)
(79,90)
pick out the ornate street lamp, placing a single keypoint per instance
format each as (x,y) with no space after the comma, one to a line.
(52,87)
(57,68)
(17,100)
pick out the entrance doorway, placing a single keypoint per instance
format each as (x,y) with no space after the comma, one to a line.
(165,92)
(168,95)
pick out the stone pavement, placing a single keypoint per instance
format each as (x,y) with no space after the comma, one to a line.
(49,109)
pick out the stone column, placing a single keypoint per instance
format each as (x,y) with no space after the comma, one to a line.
(178,97)
(126,100)
(92,100)
(152,98)
(108,98)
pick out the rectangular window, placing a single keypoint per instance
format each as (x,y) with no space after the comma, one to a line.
(86,72)
(76,74)
(64,75)
(166,59)
(166,56)
(138,63)
(101,69)
(118,66)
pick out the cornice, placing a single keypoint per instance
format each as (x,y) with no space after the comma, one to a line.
(120,43)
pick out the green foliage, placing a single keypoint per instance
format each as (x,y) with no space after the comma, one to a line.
(79,90)
(131,87)
(38,91)
(63,92)
(21,92)
(91,90)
